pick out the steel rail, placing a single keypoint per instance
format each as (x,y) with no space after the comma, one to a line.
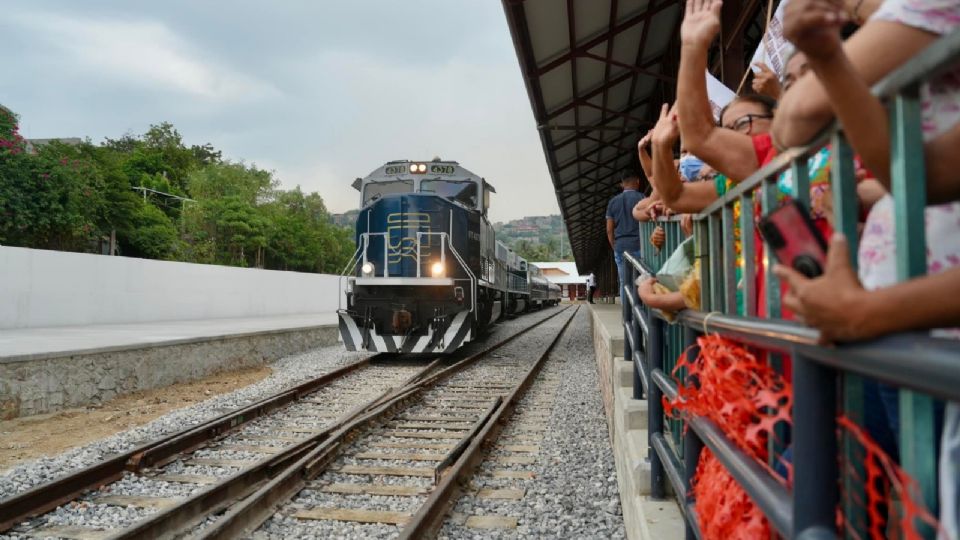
(174,521)
(429,517)
(45,497)
(250,512)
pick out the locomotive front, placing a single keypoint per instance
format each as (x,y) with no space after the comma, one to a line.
(413,284)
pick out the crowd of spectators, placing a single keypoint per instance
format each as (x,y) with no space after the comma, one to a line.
(841,48)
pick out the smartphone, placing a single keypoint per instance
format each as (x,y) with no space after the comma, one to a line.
(794,239)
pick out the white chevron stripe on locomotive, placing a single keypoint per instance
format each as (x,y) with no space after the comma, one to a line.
(352,336)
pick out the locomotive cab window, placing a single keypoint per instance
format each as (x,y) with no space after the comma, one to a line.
(376,190)
(464,192)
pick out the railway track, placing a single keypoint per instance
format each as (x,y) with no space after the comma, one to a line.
(421,446)
(225,463)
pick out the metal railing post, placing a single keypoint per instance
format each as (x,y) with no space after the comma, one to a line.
(626,314)
(917,421)
(655,406)
(815,464)
(843,184)
(692,445)
(633,326)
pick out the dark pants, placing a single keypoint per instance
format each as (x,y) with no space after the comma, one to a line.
(590,294)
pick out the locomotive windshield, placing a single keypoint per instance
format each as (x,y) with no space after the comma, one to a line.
(376,190)
(462,191)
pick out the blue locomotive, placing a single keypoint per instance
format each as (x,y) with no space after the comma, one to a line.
(428,274)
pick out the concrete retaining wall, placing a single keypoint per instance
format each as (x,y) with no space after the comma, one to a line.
(41,386)
(42,288)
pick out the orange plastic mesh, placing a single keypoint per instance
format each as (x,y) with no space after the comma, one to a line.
(883,478)
(746,398)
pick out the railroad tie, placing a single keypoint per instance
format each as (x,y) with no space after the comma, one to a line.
(385,490)
(421,435)
(137,501)
(506,473)
(213,462)
(452,426)
(71,531)
(427,472)
(411,456)
(355,515)
(530,428)
(516,460)
(187,478)
(306,429)
(271,438)
(414,444)
(492,522)
(504,494)
(528,448)
(437,418)
(257,449)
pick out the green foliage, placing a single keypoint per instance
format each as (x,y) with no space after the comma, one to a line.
(201,208)
(536,238)
(152,235)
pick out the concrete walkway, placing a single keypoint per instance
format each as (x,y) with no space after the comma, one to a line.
(22,344)
(645,518)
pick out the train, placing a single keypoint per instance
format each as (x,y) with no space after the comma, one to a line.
(429,274)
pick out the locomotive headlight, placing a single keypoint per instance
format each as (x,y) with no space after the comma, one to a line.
(422,168)
(367,269)
(436,270)
(413,167)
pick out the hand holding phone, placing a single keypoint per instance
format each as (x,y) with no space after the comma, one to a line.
(794,239)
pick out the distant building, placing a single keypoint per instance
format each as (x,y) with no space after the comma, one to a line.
(34,144)
(565,274)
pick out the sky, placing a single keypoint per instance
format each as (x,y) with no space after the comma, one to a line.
(319,91)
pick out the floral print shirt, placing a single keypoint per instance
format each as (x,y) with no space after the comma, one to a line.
(940,109)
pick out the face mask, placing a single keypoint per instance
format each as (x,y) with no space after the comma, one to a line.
(690,167)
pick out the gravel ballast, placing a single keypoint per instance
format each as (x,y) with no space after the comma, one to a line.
(574,490)
(287,372)
(296,369)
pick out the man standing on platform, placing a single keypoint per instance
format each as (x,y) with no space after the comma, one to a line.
(591,286)
(623,232)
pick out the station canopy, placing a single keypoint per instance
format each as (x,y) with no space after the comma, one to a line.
(597,72)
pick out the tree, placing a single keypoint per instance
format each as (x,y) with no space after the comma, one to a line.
(70,197)
(152,234)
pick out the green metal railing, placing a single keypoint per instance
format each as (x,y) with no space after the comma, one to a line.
(826,381)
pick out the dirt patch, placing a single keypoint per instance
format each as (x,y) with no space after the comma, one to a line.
(50,434)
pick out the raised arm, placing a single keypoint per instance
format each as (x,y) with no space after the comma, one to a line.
(680,196)
(875,50)
(814,27)
(643,152)
(725,150)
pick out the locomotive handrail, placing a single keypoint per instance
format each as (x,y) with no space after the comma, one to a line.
(445,241)
(350,267)
(365,238)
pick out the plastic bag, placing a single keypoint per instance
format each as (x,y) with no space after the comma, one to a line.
(678,266)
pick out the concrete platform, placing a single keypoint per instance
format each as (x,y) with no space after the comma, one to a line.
(644,518)
(43,370)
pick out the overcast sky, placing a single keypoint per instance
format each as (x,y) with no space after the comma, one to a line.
(321,91)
